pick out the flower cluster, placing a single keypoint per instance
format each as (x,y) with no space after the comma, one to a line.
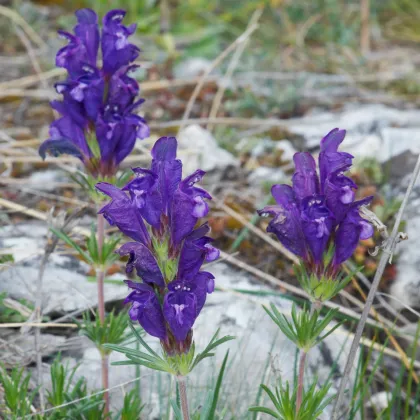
(160,211)
(320,212)
(97,124)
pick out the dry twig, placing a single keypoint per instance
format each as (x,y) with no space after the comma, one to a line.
(386,256)
(241,39)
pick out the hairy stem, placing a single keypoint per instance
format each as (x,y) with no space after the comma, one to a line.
(105,380)
(182,385)
(386,256)
(100,275)
(299,395)
(38,319)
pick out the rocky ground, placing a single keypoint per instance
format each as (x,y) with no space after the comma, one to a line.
(243,154)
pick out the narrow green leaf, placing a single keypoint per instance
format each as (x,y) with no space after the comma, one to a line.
(217,388)
(73,244)
(142,342)
(177,411)
(265,411)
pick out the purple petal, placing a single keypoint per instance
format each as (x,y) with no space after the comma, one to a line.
(188,206)
(145,195)
(165,149)
(56,147)
(122,89)
(180,311)
(69,107)
(305,179)
(72,56)
(146,310)
(144,261)
(66,131)
(116,50)
(182,218)
(286,223)
(122,213)
(351,230)
(317,224)
(87,30)
(332,140)
(346,240)
(204,285)
(168,169)
(193,253)
(367,230)
(339,193)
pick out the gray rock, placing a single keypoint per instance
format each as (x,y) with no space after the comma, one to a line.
(191,68)
(374,130)
(203,151)
(19,349)
(406,288)
(65,285)
(45,180)
(266,174)
(258,350)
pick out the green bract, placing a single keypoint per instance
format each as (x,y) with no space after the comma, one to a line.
(168,266)
(178,365)
(305,328)
(314,402)
(323,288)
(92,256)
(112,331)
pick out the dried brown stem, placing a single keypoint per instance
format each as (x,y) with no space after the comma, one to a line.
(241,39)
(387,254)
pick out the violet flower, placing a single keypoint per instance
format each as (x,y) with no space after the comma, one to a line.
(98,123)
(159,211)
(318,212)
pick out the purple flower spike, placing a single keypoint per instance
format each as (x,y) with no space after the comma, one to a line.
(160,212)
(146,309)
(319,211)
(101,102)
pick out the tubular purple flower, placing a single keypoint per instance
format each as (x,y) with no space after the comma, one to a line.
(160,212)
(167,168)
(87,30)
(319,212)
(116,50)
(188,206)
(142,259)
(146,309)
(305,180)
(286,223)
(100,101)
(121,212)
